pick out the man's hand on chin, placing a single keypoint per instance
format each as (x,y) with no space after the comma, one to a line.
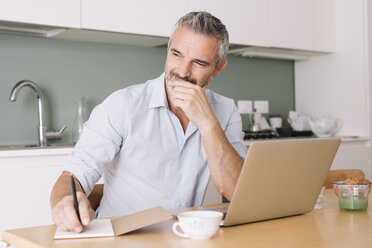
(192,100)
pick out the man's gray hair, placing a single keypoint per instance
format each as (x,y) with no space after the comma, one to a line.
(204,23)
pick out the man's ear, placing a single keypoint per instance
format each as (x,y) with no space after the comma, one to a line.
(220,68)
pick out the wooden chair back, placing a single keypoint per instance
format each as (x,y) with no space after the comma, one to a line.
(339,175)
(96,196)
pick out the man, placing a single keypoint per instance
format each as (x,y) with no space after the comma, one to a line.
(158,143)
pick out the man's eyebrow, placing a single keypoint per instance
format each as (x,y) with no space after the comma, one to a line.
(175,50)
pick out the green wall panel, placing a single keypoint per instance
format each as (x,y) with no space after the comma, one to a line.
(67,69)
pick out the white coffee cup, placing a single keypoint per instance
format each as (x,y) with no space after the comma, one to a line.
(198,224)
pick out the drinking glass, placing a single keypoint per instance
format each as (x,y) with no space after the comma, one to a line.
(320,202)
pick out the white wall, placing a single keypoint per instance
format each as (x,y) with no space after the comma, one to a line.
(337,84)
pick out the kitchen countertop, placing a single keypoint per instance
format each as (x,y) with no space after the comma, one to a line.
(22,150)
(60,149)
(344,139)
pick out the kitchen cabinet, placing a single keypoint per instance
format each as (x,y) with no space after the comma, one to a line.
(289,24)
(354,155)
(144,17)
(26,181)
(286,24)
(42,12)
(246,21)
(301,24)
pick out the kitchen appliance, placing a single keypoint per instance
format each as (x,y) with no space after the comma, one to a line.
(263,134)
(275,121)
(255,119)
(325,126)
(299,121)
(259,128)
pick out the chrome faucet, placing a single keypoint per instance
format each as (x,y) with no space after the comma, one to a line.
(43,134)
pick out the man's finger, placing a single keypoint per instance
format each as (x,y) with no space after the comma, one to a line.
(59,220)
(190,91)
(72,218)
(181,96)
(59,217)
(64,227)
(182,83)
(85,214)
(178,103)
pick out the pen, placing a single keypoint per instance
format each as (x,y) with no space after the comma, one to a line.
(76,206)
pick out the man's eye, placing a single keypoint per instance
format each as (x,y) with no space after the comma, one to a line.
(199,63)
(176,54)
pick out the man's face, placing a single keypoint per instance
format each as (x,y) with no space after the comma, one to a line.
(191,57)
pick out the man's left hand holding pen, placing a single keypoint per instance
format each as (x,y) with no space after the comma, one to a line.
(64,215)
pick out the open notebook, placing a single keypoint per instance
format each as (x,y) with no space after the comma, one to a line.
(117,226)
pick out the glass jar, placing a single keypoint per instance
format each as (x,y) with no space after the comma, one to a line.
(353,197)
(80,117)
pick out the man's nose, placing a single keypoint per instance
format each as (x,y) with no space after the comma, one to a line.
(184,69)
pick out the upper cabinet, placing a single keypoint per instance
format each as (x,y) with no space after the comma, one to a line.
(58,13)
(245,20)
(290,24)
(283,26)
(144,17)
(302,24)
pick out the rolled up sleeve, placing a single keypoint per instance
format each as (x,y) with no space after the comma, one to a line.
(101,138)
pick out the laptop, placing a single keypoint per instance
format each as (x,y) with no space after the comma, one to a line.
(280,178)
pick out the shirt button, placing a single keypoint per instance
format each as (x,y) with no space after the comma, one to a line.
(179,204)
(180,177)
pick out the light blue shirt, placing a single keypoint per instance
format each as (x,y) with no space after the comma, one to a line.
(138,144)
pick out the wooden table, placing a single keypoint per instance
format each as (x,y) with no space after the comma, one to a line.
(328,227)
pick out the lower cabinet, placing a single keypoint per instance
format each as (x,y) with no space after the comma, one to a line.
(25,186)
(354,155)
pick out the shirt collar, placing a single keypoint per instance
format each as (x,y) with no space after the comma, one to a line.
(158,97)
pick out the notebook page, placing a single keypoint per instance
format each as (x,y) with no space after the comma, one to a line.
(97,228)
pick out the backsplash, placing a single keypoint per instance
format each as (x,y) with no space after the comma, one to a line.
(68,69)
